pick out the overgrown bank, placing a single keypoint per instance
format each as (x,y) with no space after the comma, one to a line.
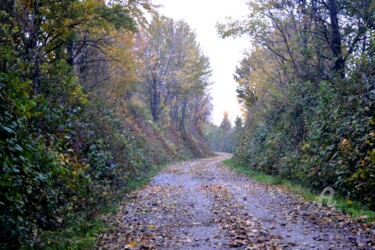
(308,88)
(91,100)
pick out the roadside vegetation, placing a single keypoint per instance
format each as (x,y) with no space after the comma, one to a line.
(343,204)
(308,88)
(97,96)
(94,99)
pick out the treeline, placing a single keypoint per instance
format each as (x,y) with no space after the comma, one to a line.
(308,85)
(93,96)
(224,138)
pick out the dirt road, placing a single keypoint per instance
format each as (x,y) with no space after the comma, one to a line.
(201,204)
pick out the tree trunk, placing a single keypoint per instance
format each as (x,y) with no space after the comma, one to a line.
(183,114)
(339,65)
(155,101)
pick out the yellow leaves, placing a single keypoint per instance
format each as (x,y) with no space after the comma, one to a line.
(363,163)
(63,159)
(124,68)
(345,146)
(345,143)
(132,244)
(305,147)
(372,122)
(68,21)
(72,163)
(78,97)
(270,4)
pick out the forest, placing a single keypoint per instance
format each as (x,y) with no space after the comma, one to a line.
(97,96)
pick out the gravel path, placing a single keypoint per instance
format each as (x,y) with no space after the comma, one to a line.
(201,204)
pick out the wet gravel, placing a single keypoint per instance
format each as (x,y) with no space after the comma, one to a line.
(201,204)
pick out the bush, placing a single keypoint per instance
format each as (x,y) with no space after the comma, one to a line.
(324,137)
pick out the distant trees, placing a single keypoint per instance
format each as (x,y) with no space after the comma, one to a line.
(225,123)
(224,138)
(307,86)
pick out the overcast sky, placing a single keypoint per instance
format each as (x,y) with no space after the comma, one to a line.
(224,54)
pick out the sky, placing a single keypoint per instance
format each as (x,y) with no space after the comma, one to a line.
(224,54)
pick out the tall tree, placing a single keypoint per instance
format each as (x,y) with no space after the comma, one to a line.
(173,68)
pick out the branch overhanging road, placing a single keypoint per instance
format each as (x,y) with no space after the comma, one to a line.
(201,204)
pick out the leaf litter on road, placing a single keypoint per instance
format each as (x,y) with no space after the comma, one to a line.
(200,204)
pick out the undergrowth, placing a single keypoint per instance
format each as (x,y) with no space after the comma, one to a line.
(82,233)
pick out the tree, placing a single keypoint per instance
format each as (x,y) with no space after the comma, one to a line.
(238,124)
(328,33)
(224,138)
(306,78)
(225,123)
(174,70)
(46,170)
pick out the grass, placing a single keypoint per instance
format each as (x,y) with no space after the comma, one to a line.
(80,234)
(354,208)
(134,184)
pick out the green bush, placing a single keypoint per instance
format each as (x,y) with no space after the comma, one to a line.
(321,137)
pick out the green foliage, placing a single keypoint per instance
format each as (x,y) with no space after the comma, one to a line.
(101,160)
(75,134)
(340,141)
(309,100)
(324,139)
(54,168)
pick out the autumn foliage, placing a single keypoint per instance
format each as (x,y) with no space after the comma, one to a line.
(308,89)
(76,122)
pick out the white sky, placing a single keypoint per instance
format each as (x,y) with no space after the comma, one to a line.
(224,54)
